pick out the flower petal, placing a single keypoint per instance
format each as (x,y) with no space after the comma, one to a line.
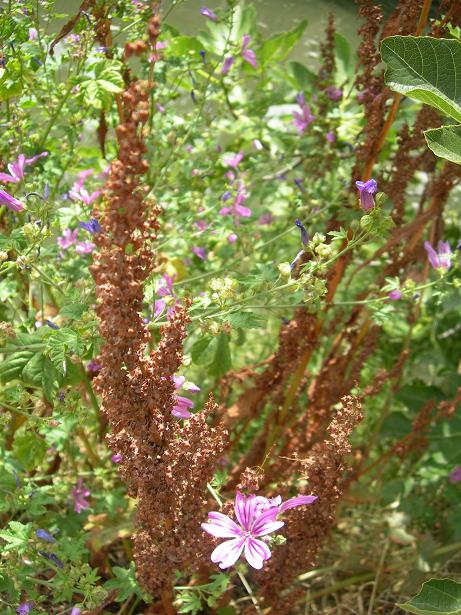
(245,510)
(299,500)
(221,526)
(228,552)
(266,523)
(256,552)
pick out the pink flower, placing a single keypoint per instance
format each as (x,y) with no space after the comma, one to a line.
(80,493)
(455,475)
(333,93)
(183,404)
(206,12)
(117,458)
(440,259)
(248,54)
(16,169)
(395,294)
(266,218)
(227,65)
(330,137)
(234,160)
(237,208)
(67,239)
(200,252)
(33,34)
(256,517)
(232,238)
(84,247)
(301,120)
(81,194)
(10,201)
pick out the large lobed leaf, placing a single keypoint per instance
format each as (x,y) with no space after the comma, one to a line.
(426,69)
(437,597)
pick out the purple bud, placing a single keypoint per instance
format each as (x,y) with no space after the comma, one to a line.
(117,458)
(202,54)
(53,558)
(395,294)
(44,535)
(227,65)
(367,190)
(51,324)
(206,12)
(304,233)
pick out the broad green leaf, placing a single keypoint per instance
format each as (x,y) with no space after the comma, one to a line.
(343,49)
(222,361)
(245,320)
(437,597)
(12,367)
(279,46)
(302,75)
(445,142)
(426,69)
(62,343)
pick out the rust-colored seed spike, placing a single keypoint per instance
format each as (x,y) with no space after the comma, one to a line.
(165,466)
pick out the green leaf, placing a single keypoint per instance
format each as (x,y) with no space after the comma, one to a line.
(12,367)
(60,344)
(222,361)
(303,76)
(445,142)
(279,46)
(426,69)
(16,536)
(201,350)
(437,597)
(343,49)
(245,320)
(125,583)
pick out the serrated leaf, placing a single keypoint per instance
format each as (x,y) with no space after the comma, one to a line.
(445,142)
(12,367)
(437,597)
(16,536)
(202,349)
(426,69)
(60,344)
(125,583)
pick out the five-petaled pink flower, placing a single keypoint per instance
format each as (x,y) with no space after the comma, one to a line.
(256,517)
(440,259)
(84,196)
(80,493)
(67,239)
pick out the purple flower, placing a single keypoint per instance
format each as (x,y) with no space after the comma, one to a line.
(200,252)
(76,611)
(234,160)
(226,196)
(84,247)
(455,475)
(395,294)
(302,119)
(44,535)
(202,55)
(232,238)
(304,233)
(333,93)
(367,190)
(25,607)
(92,226)
(440,259)
(117,458)
(206,12)
(67,239)
(227,64)
(51,325)
(80,493)
(330,137)
(247,54)
(16,169)
(10,201)
(33,34)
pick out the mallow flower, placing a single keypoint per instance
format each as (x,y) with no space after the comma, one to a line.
(440,259)
(248,54)
(367,190)
(16,169)
(10,201)
(207,12)
(256,517)
(302,118)
(181,409)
